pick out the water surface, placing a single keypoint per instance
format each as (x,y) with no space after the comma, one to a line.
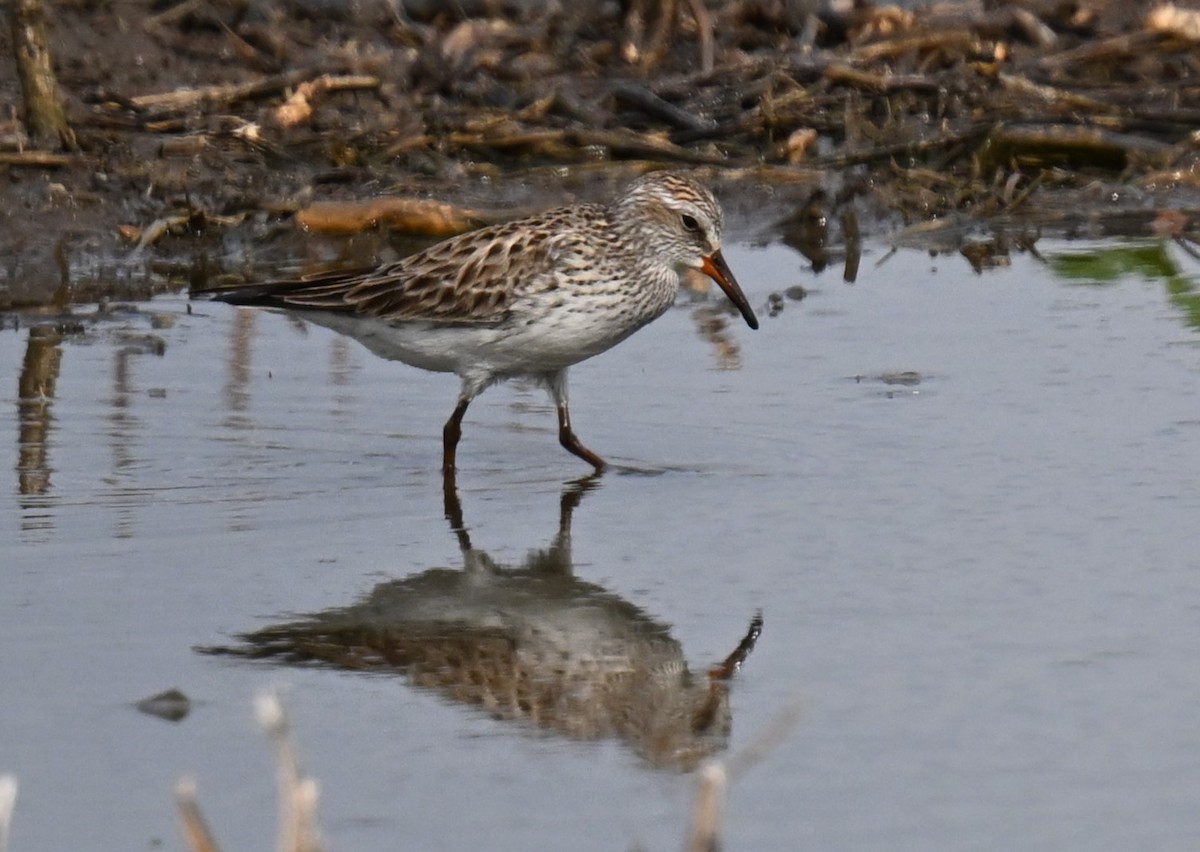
(983,586)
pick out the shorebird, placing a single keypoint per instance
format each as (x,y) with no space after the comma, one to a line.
(527,298)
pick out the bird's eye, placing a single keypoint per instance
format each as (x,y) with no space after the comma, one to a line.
(690,223)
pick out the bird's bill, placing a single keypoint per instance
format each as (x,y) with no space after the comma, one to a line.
(715,267)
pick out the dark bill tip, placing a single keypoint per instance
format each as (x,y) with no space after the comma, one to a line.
(718,270)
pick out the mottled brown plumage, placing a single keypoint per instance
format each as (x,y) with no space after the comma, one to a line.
(469,279)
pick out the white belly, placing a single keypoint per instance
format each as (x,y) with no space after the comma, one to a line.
(515,348)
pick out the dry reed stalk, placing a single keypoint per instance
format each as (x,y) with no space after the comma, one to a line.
(8,800)
(716,776)
(195,827)
(298,795)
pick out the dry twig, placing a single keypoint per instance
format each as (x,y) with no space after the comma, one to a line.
(225,95)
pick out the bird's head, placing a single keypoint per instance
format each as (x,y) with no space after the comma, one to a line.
(684,223)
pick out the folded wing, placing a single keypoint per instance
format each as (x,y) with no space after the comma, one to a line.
(471,278)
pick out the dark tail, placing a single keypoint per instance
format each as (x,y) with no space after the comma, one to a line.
(321,290)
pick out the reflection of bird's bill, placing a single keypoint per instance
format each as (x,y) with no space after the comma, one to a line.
(718,270)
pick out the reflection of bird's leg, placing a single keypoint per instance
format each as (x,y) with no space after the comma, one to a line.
(727,668)
(572,496)
(557,382)
(560,548)
(453,508)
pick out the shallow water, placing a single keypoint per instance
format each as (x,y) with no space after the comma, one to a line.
(983,588)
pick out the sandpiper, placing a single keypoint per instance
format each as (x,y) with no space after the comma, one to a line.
(528,298)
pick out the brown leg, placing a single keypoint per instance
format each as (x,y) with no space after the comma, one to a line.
(556,383)
(451,432)
(567,438)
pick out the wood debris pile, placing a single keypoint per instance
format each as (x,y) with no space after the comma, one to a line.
(876,84)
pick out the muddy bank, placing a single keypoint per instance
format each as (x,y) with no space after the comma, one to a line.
(205,127)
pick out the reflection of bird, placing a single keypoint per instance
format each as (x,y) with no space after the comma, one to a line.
(525,298)
(531,643)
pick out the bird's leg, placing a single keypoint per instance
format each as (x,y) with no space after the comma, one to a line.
(567,438)
(557,383)
(451,432)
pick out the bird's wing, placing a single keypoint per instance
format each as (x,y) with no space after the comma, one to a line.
(472,278)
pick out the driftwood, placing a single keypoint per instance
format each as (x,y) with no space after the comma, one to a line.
(1069,145)
(35,159)
(410,215)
